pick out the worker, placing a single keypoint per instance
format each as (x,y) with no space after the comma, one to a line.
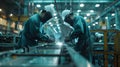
(81,33)
(32,31)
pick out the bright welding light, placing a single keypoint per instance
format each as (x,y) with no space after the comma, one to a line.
(59,43)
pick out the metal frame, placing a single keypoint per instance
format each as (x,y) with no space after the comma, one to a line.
(106,52)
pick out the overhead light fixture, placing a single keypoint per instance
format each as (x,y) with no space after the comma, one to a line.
(113,14)
(97,5)
(0,9)
(106,17)
(96,22)
(88,14)
(88,26)
(82,5)
(11,15)
(114,25)
(55,17)
(78,10)
(91,11)
(85,17)
(93,24)
(54,14)
(50,23)
(38,5)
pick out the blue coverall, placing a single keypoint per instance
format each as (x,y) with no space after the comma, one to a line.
(81,31)
(31,32)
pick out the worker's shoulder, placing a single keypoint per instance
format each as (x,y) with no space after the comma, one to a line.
(33,19)
(34,16)
(78,17)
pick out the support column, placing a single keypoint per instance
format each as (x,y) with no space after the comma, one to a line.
(8,26)
(117,20)
(108,21)
(33,8)
(25,9)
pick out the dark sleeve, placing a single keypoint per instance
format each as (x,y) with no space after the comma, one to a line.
(35,32)
(78,29)
(33,28)
(76,33)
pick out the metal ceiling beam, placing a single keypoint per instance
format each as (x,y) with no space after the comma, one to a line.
(108,10)
(75,1)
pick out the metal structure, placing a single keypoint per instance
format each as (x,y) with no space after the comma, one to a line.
(108,18)
(108,50)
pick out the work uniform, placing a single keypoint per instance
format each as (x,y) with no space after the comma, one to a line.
(81,31)
(31,32)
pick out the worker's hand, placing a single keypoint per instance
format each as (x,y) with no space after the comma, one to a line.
(48,39)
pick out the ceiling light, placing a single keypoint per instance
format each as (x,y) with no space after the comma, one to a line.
(91,11)
(54,14)
(82,5)
(96,22)
(88,14)
(11,14)
(113,14)
(55,17)
(106,17)
(114,25)
(85,17)
(38,5)
(78,10)
(88,26)
(93,24)
(97,5)
(0,9)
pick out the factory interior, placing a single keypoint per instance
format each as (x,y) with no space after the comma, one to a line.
(101,16)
